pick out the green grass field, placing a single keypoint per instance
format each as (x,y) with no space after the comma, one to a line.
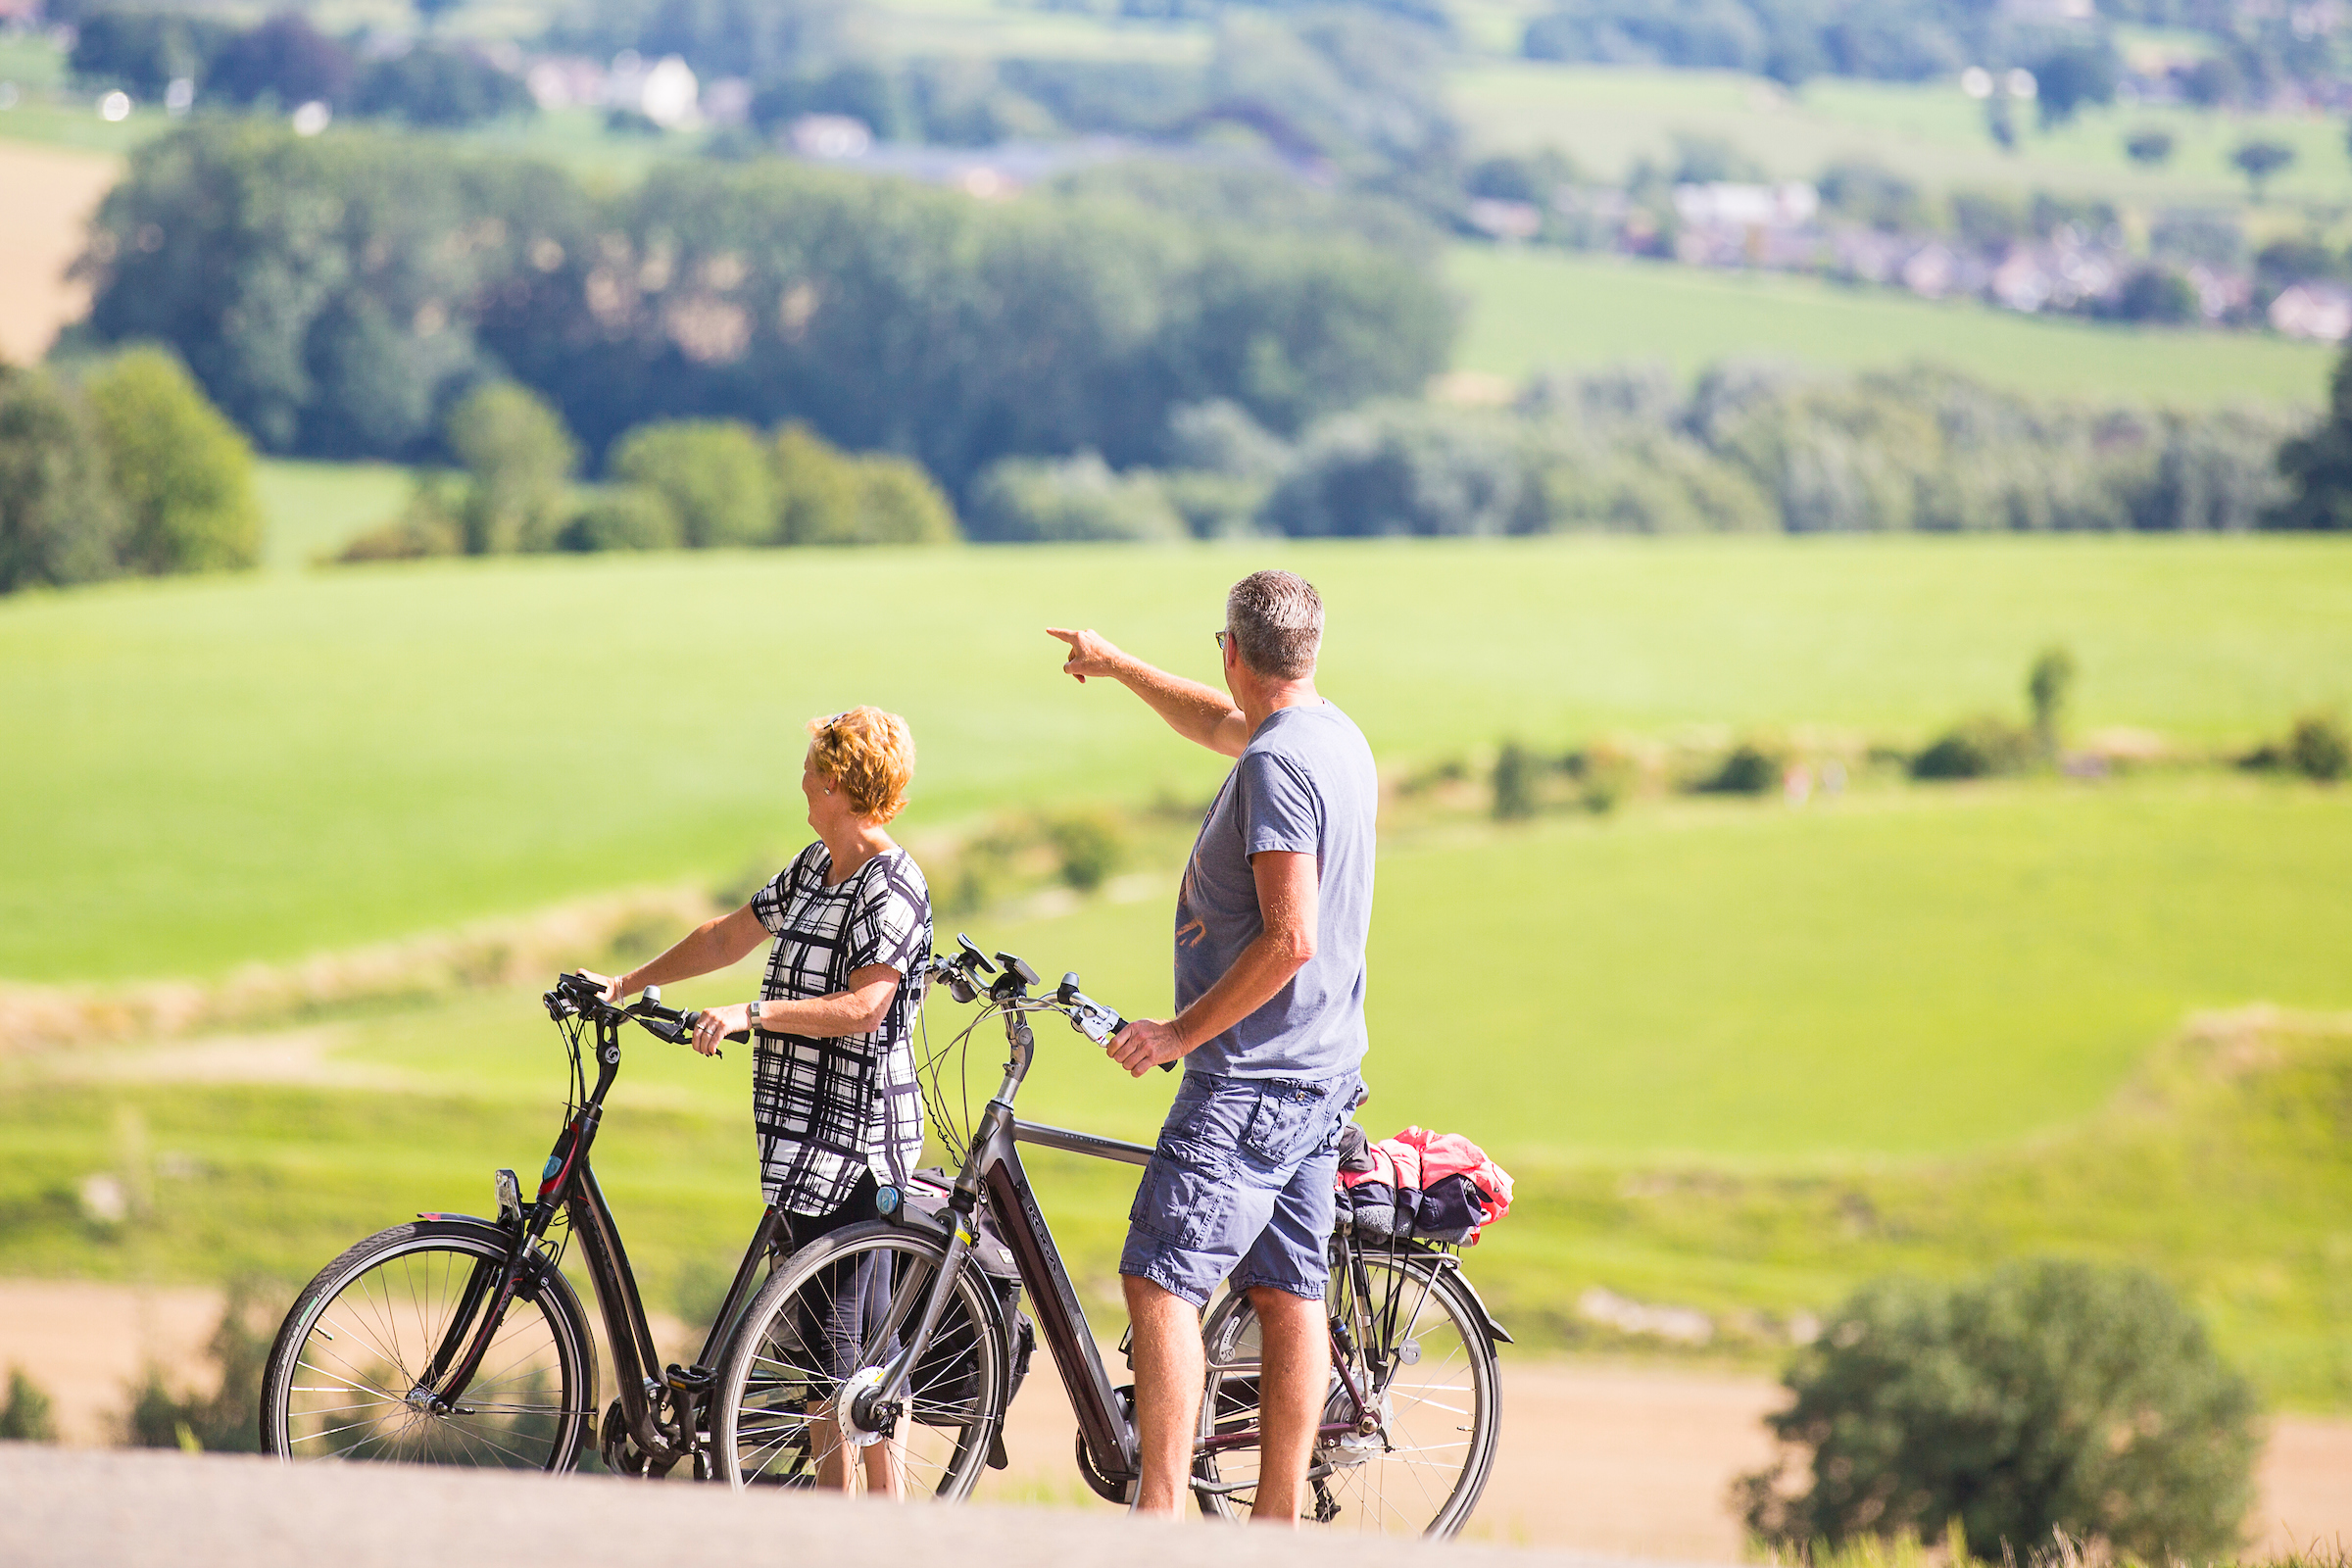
(1606,116)
(258,769)
(1531,311)
(311,510)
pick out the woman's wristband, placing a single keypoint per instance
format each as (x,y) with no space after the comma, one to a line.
(752,1014)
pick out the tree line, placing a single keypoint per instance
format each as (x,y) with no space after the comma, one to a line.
(337,296)
(284,62)
(1750,447)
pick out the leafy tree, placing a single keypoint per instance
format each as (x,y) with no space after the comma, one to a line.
(2071,75)
(28,1417)
(2160,295)
(143,51)
(711,472)
(2317,464)
(518,458)
(2258,160)
(60,521)
(2050,1396)
(445,86)
(285,60)
(2049,685)
(2149,145)
(184,472)
(1514,782)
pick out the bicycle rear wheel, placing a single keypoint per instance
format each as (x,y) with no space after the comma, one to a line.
(344,1378)
(836,1313)
(1427,1365)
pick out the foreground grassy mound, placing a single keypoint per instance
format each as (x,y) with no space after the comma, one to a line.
(1739,1057)
(221,772)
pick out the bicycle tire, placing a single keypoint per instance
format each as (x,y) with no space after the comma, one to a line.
(340,1374)
(1435,1380)
(833,1310)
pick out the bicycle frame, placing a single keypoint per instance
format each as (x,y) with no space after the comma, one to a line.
(662,1414)
(993,1169)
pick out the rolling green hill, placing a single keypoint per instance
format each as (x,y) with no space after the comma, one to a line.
(1531,311)
(229,770)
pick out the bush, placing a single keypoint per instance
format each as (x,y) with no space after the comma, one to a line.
(622,518)
(184,474)
(518,460)
(28,1416)
(1087,846)
(226,1420)
(714,474)
(827,497)
(1027,500)
(2320,748)
(1749,768)
(1408,468)
(899,505)
(1981,747)
(429,524)
(60,521)
(2051,1395)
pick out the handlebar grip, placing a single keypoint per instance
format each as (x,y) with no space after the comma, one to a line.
(692,1019)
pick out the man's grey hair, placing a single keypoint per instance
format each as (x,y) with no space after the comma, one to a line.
(1276,619)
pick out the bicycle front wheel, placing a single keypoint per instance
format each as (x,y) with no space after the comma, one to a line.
(346,1378)
(821,1331)
(1426,1366)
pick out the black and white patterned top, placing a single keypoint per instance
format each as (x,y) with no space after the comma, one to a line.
(826,1112)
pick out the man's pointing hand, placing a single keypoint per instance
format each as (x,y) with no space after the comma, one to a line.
(1090,654)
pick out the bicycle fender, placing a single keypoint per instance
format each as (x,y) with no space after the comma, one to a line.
(535,1267)
(1485,1319)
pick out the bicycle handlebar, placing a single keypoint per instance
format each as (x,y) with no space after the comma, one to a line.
(577,995)
(964,974)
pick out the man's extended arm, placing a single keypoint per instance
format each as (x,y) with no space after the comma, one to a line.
(1286,885)
(1197,713)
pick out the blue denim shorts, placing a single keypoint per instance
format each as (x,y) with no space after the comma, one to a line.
(1241,1185)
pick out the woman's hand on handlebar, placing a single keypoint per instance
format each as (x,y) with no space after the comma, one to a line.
(611,982)
(714,1024)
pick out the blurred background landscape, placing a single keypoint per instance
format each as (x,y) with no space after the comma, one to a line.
(1831,517)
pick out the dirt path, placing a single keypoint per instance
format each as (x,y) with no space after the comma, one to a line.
(48,194)
(1632,1462)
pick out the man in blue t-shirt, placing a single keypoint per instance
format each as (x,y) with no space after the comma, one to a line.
(1270,928)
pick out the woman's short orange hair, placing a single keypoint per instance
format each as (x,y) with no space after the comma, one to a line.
(867,754)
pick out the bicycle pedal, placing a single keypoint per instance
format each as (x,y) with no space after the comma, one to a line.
(696,1379)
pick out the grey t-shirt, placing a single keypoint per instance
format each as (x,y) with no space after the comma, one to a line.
(1306,783)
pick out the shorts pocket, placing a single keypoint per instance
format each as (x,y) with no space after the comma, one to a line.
(1186,1194)
(1289,1123)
